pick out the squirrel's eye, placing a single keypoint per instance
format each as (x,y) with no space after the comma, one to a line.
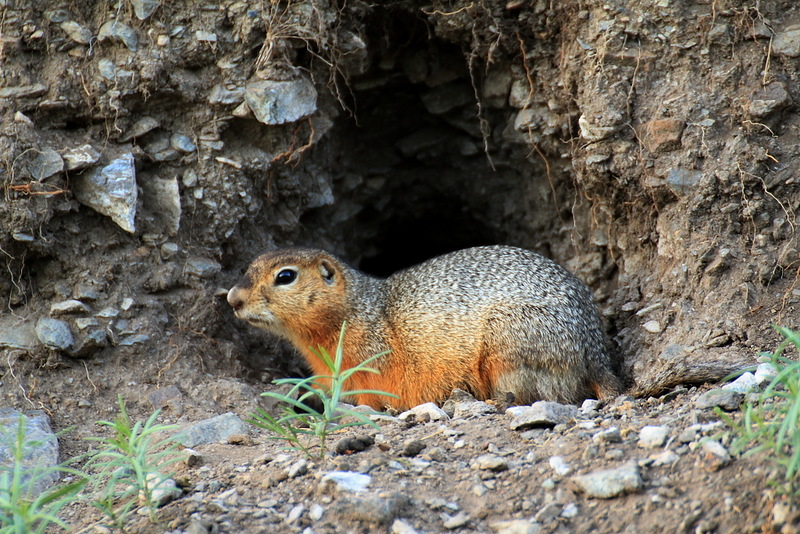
(286,276)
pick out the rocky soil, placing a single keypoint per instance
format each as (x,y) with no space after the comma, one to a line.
(149,150)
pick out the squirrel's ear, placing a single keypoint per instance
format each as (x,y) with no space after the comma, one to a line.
(327,271)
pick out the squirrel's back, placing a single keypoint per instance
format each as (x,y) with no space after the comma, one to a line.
(496,321)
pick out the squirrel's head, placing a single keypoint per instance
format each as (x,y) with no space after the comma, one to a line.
(293,293)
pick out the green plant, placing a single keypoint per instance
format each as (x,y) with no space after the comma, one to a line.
(24,508)
(131,466)
(304,427)
(771,424)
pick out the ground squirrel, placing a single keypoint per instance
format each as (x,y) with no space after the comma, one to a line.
(493,320)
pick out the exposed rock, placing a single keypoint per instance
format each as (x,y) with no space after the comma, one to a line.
(162,490)
(163,198)
(424,413)
(768,99)
(111,190)
(489,462)
(654,327)
(348,481)
(140,127)
(202,267)
(559,465)
(541,414)
(745,383)
(787,42)
(609,483)
(717,456)
(726,399)
(516,526)
(651,437)
(661,135)
(116,30)
(595,133)
(182,143)
(223,95)
(81,157)
(144,8)
(76,32)
(212,430)
(54,334)
(279,102)
(16,333)
(765,373)
(23,91)
(609,435)
(462,405)
(412,448)
(41,449)
(457,521)
(89,343)
(46,163)
(681,181)
(69,306)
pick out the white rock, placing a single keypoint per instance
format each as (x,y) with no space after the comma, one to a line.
(651,437)
(560,466)
(516,526)
(744,384)
(348,480)
(654,327)
(428,411)
(765,372)
(608,483)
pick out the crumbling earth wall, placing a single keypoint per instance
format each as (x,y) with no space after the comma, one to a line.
(149,150)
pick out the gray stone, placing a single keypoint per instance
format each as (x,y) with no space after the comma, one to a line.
(40,447)
(768,99)
(16,333)
(89,343)
(47,163)
(516,526)
(76,32)
(665,458)
(202,267)
(117,31)
(182,143)
(651,437)
(279,102)
(144,8)
(541,414)
(424,413)
(134,339)
(347,481)
(139,128)
(109,70)
(205,37)
(462,405)
(162,197)
(85,322)
(380,509)
(212,430)
(81,157)
(726,399)
(609,483)
(23,91)
(548,512)
(489,462)
(457,521)
(162,490)
(745,383)
(681,181)
(69,306)
(54,334)
(111,191)
(222,95)
(609,435)
(787,42)
(297,469)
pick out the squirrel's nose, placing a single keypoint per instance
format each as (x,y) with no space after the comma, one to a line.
(235,298)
